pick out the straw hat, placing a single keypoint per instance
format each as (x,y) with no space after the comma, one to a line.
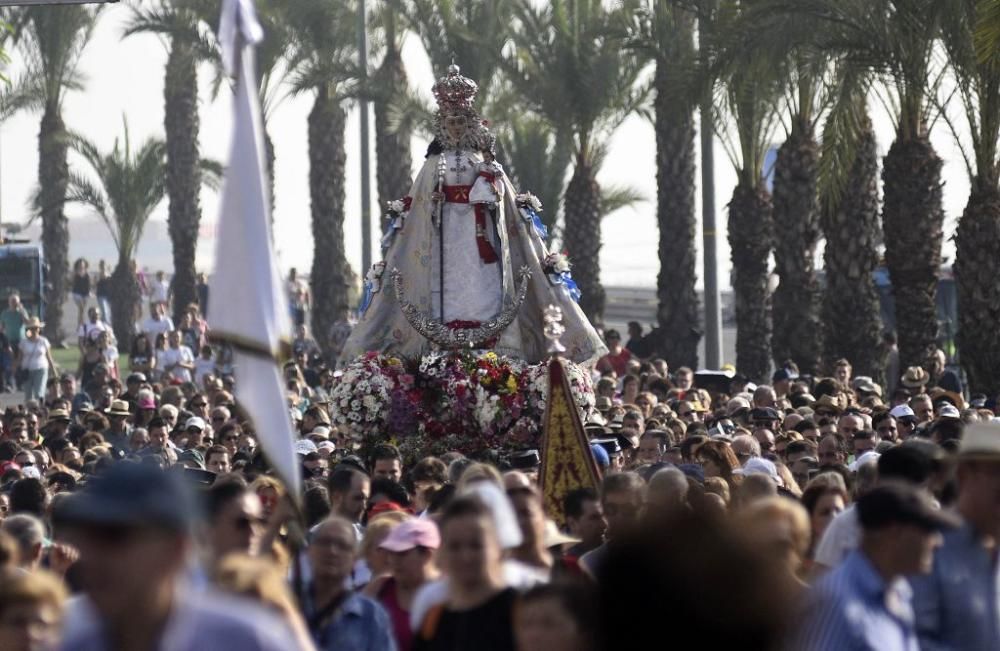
(915,377)
(33,322)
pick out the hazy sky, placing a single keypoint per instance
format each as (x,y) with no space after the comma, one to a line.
(125,78)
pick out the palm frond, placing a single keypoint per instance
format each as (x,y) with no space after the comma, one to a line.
(616,197)
(569,65)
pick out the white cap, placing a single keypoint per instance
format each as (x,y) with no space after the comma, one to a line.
(304,446)
(949,411)
(195,421)
(871,456)
(760,466)
(902,411)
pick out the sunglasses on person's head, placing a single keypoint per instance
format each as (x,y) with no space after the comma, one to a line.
(198,404)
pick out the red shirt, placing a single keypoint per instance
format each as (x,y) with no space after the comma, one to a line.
(619,362)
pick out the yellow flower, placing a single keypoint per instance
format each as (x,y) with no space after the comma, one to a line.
(511,384)
(491,356)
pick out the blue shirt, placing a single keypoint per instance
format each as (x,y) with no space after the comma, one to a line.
(956,604)
(359,624)
(853,609)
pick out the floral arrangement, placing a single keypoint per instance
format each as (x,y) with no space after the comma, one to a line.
(529,205)
(372,285)
(395,216)
(557,269)
(464,401)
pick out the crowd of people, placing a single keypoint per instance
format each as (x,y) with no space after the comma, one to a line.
(137,512)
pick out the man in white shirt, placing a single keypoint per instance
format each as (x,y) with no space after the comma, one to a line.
(89,329)
(178,360)
(157,322)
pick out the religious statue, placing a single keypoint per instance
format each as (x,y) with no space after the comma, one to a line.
(464,256)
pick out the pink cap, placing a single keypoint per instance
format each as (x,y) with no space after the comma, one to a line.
(147,403)
(415,532)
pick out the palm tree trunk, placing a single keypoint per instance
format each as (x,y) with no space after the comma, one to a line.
(750,236)
(977,268)
(53,178)
(327,158)
(677,313)
(796,218)
(851,317)
(181,124)
(393,165)
(582,237)
(125,297)
(913,220)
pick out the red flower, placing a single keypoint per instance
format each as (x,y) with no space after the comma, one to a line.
(407,202)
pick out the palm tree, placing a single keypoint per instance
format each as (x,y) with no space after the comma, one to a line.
(393,163)
(797,217)
(663,33)
(569,66)
(967,35)
(850,222)
(183,23)
(128,185)
(748,91)
(51,40)
(322,63)
(893,41)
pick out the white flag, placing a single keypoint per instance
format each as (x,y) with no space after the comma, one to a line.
(248,305)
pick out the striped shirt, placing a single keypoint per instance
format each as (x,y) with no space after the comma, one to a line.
(853,609)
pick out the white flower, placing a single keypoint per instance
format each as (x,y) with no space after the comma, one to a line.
(397,206)
(557,262)
(528,199)
(374,274)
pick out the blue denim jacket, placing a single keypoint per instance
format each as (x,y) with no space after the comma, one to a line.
(359,625)
(956,604)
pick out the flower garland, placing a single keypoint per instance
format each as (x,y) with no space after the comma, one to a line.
(463,401)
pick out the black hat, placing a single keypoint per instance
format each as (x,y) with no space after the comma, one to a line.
(525,460)
(353,462)
(764,413)
(131,495)
(896,502)
(611,446)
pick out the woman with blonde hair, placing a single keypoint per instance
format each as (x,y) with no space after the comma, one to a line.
(478,606)
(372,555)
(479,472)
(264,581)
